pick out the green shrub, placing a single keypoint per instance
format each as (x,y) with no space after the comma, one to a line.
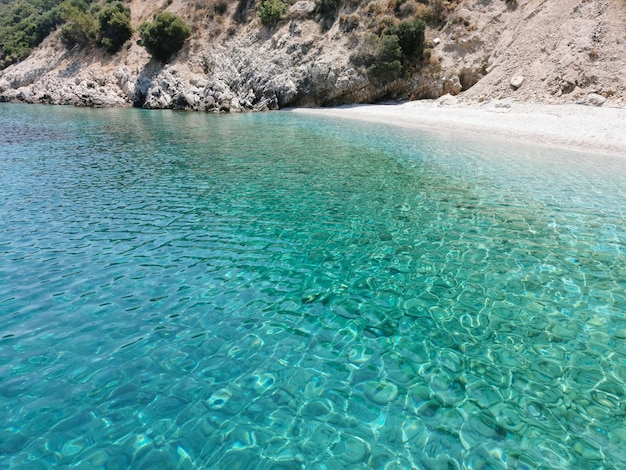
(164,36)
(23,25)
(381,56)
(327,7)
(410,38)
(115,28)
(270,11)
(80,26)
(388,62)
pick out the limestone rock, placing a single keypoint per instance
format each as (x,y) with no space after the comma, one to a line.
(595,100)
(302,9)
(516,81)
(452,85)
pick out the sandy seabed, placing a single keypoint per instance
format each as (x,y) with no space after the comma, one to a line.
(579,127)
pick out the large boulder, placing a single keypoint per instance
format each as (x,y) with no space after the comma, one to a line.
(302,9)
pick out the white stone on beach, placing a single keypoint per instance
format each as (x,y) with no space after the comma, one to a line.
(595,99)
(516,81)
(587,128)
(447,100)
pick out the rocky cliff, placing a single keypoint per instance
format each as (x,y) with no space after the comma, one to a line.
(527,50)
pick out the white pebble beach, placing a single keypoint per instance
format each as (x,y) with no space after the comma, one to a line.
(572,126)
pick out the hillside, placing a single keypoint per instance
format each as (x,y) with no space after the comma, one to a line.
(526,50)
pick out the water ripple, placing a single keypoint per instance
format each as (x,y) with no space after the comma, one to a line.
(186,290)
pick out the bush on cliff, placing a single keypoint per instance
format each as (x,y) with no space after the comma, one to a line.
(81,27)
(388,61)
(115,28)
(410,38)
(164,36)
(270,11)
(23,25)
(388,56)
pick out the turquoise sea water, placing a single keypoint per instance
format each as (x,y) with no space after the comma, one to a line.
(275,291)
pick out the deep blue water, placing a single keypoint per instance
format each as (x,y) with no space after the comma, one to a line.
(277,291)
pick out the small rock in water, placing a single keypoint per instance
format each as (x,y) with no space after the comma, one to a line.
(352,450)
(315,408)
(219,398)
(381,392)
(517,81)
(587,450)
(309,297)
(621,334)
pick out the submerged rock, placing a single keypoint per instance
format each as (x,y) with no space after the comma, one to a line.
(381,392)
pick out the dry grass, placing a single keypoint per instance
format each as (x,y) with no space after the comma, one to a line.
(349,22)
(375,9)
(379,24)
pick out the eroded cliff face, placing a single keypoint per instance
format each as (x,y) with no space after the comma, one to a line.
(529,50)
(565,51)
(227,65)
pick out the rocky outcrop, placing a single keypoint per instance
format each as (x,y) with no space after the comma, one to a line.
(232,77)
(292,65)
(484,51)
(231,64)
(55,75)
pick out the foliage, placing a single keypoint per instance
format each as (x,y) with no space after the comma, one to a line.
(87,24)
(381,23)
(164,36)
(349,23)
(23,25)
(388,63)
(381,56)
(387,56)
(220,7)
(115,28)
(270,11)
(410,38)
(327,7)
(80,28)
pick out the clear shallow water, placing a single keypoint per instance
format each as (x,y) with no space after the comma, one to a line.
(277,291)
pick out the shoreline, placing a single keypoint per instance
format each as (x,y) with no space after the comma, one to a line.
(569,126)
